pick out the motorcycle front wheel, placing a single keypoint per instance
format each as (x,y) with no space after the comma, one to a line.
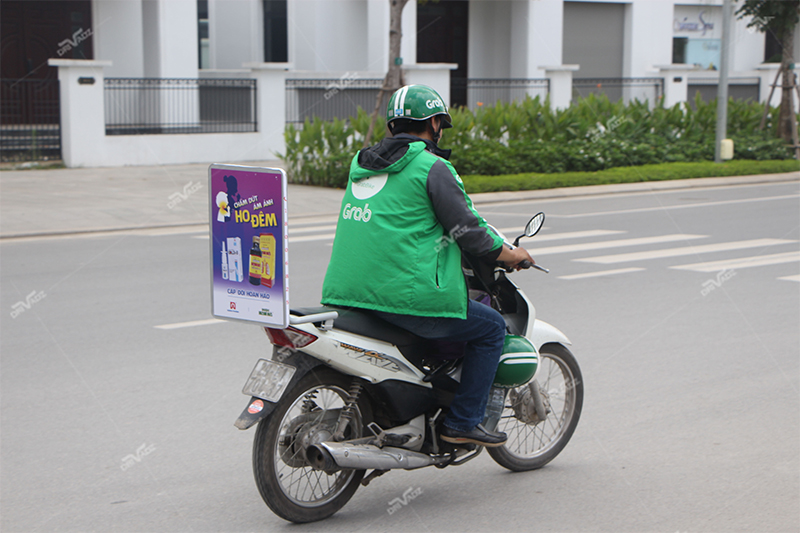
(306,415)
(533,442)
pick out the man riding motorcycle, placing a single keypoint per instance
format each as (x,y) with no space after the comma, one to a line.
(404,220)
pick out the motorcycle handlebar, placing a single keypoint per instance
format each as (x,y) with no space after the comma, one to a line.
(525,264)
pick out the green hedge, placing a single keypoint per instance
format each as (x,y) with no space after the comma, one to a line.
(523,137)
(660,172)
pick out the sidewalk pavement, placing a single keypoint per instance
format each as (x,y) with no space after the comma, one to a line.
(80,200)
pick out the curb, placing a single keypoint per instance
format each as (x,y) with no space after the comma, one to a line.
(642,186)
(477,199)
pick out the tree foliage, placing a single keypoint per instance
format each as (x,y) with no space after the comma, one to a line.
(778,16)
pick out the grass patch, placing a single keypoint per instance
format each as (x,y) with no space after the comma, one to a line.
(660,172)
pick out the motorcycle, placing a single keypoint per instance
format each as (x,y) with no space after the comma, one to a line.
(346,392)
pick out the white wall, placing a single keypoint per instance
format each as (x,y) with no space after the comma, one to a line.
(328,35)
(377,35)
(85,144)
(648,37)
(170,38)
(117,26)
(490,38)
(236,33)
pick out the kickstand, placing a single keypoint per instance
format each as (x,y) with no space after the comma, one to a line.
(434,438)
(372,475)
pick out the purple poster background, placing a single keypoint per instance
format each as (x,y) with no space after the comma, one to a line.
(249,267)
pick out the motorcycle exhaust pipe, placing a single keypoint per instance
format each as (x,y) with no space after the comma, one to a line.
(331,456)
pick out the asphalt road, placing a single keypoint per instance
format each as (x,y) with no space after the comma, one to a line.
(683,308)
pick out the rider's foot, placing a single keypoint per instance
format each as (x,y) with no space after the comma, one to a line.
(477,435)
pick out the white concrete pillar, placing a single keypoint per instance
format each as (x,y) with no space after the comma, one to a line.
(676,82)
(117,28)
(270,104)
(560,84)
(83,126)
(377,38)
(170,38)
(408,47)
(434,75)
(648,37)
(536,36)
(378,35)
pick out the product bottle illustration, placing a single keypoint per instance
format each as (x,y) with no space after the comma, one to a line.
(255,262)
(235,272)
(224,262)
(267,245)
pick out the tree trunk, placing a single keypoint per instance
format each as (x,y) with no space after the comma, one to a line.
(394,76)
(787,116)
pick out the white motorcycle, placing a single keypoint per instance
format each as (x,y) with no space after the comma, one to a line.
(346,392)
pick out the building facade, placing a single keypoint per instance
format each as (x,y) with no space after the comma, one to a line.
(489,40)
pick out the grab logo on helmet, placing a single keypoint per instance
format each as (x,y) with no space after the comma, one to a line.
(433,104)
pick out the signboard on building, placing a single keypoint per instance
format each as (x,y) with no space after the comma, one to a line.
(249,252)
(697,33)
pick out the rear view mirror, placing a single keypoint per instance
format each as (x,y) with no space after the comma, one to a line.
(532,228)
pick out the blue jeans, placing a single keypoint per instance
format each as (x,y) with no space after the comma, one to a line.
(484,331)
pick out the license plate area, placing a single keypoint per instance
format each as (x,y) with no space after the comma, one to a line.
(268,380)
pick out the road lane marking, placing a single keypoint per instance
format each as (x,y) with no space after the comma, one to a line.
(535,252)
(792,278)
(567,235)
(743,262)
(682,206)
(601,273)
(191,324)
(686,250)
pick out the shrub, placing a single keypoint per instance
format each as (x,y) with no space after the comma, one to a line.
(528,136)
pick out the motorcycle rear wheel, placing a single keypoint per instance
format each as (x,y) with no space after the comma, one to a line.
(290,487)
(533,445)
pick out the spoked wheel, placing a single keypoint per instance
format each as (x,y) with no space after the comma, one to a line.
(532,441)
(306,415)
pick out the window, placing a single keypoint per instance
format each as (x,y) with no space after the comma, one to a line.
(276,49)
(202,34)
(772,48)
(679,49)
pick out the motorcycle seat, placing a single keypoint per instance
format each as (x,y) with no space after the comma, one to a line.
(365,323)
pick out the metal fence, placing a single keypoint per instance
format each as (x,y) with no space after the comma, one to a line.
(739,88)
(135,106)
(330,98)
(30,124)
(486,91)
(626,89)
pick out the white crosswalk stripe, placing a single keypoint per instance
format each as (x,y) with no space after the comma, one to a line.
(742,262)
(602,273)
(792,278)
(685,250)
(567,248)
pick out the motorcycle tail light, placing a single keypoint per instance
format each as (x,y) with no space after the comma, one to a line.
(290,337)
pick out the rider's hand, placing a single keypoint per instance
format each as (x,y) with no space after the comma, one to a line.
(514,257)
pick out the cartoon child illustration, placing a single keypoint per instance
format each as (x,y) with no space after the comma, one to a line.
(226,199)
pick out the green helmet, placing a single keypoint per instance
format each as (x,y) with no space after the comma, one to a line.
(517,363)
(417,102)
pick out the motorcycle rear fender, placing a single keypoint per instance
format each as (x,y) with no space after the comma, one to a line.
(255,411)
(356,355)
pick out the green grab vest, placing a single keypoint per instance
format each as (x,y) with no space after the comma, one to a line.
(390,252)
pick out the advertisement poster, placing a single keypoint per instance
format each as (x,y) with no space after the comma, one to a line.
(249,252)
